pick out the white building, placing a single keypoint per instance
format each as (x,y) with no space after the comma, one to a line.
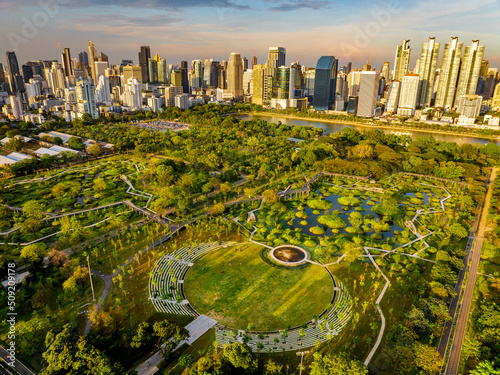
(132,94)
(86,98)
(391,106)
(33,88)
(100,68)
(408,96)
(155,103)
(170,93)
(17,106)
(469,105)
(103,90)
(368,93)
(182,101)
(248,81)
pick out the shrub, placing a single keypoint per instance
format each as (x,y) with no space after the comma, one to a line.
(317,230)
(349,201)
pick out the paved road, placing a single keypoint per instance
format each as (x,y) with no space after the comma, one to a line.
(22,369)
(456,348)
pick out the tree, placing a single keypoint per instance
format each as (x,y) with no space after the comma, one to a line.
(458,231)
(270,196)
(217,209)
(240,356)
(185,360)
(168,336)
(34,252)
(142,336)
(427,358)
(486,368)
(57,141)
(95,149)
(33,209)
(76,143)
(15,144)
(272,368)
(335,364)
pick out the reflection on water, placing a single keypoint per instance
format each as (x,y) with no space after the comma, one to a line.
(332,128)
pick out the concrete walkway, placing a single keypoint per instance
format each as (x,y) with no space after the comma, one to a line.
(196,328)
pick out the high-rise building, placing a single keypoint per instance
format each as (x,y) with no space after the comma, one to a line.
(67,63)
(27,73)
(100,68)
(325,83)
(244,62)
(132,93)
(2,75)
(259,72)
(235,75)
(385,71)
(248,81)
(391,105)
(353,81)
(469,105)
(85,96)
(162,71)
(184,77)
(17,106)
(92,60)
(408,96)
(132,71)
(55,78)
(176,78)
(495,105)
(277,58)
(83,57)
(309,79)
(427,72)
(153,68)
(448,74)
(283,83)
(103,90)
(33,88)
(197,74)
(402,60)
(15,80)
(368,93)
(471,69)
(299,75)
(254,61)
(144,56)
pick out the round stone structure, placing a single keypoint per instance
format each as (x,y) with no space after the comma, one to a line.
(289,255)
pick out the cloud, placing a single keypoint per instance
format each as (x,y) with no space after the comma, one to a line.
(150,4)
(290,5)
(126,21)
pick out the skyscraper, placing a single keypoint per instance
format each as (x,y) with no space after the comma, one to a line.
(162,71)
(254,61)
(259,72)
(496,98)
(2,75)
(282,83)
(144,56)
(325,83)
(85,97)
(427,72)
(103,90)
(235,75)
(244,61)
(385,71)
(197,74)
(184,77)
(66,62)
(15,80)
(368,93)
(83,57)
(391,105)
(448,74)
(92,59)
(402,60)
(471,69)
(408,96)
(153,68)
(277,57)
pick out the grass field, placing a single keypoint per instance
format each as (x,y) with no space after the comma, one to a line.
(251,291)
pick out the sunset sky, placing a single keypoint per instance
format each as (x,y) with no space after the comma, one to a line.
(355,30)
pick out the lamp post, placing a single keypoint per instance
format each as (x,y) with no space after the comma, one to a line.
(91,283)
(301,359)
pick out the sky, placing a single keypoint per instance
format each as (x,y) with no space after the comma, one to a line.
(360,31)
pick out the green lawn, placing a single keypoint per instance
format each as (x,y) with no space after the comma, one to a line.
(252,291)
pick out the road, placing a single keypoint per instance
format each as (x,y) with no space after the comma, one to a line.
(22,369)
(456,347)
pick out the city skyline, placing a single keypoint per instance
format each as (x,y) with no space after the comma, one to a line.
(192,30)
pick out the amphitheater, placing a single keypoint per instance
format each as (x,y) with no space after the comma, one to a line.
(166,292)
